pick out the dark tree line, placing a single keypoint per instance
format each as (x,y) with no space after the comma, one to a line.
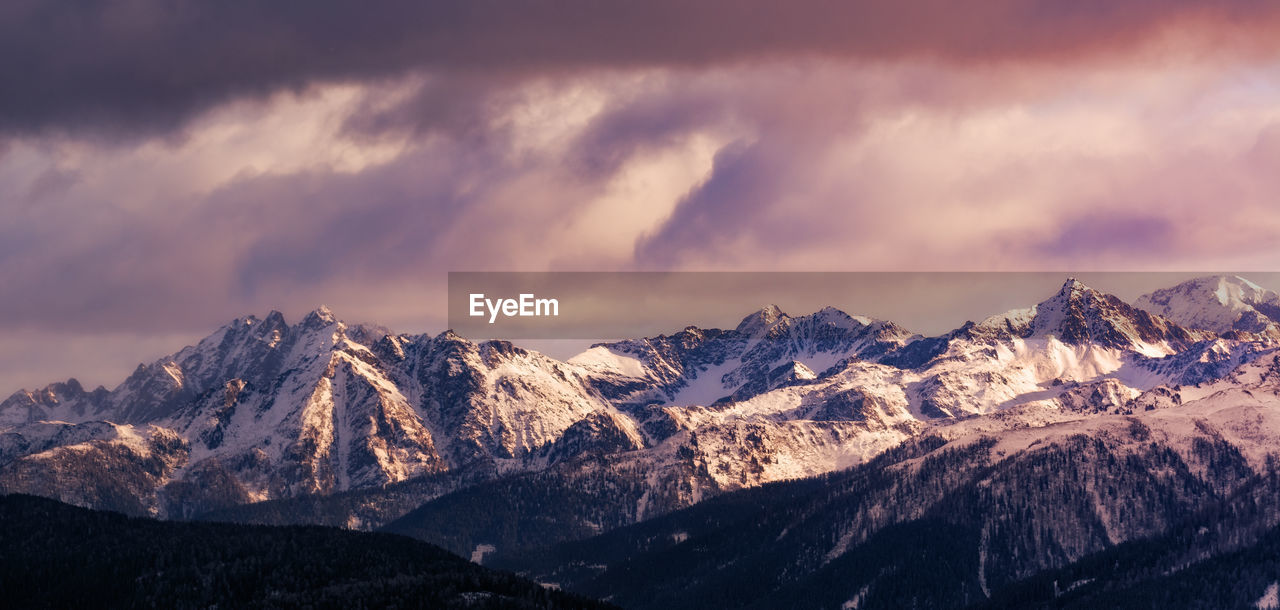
(53,555)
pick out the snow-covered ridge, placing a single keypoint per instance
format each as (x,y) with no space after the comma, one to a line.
(263,409)
(1218,303)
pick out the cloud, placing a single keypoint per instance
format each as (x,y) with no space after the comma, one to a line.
(1125,168)
(803,166)
(723,210)
(122,67)
(1109,234)
(245,215)
(165,167)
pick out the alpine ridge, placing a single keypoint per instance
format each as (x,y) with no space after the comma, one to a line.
(1218,303)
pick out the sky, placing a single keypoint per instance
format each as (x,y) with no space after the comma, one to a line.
(166,166)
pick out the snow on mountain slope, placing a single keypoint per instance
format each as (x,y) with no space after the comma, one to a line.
(1246,416)
(790,432)
(701,367)
(115,467)
(1218,302)
(495,399)
(1078,335)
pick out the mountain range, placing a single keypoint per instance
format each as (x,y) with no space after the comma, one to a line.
(800,450)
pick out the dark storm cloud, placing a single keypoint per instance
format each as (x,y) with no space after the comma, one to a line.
(456,105)
(124,65)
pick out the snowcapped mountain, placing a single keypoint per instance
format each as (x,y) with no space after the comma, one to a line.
(1218,303)
(265,410)
(1080,351)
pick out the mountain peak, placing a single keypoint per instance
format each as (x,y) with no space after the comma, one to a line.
(320,316)
(1073,287)
(837,317)
(1078,314)
(829,313)
(1221,303)
(1073,296)
(761,319)
(1232,290)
